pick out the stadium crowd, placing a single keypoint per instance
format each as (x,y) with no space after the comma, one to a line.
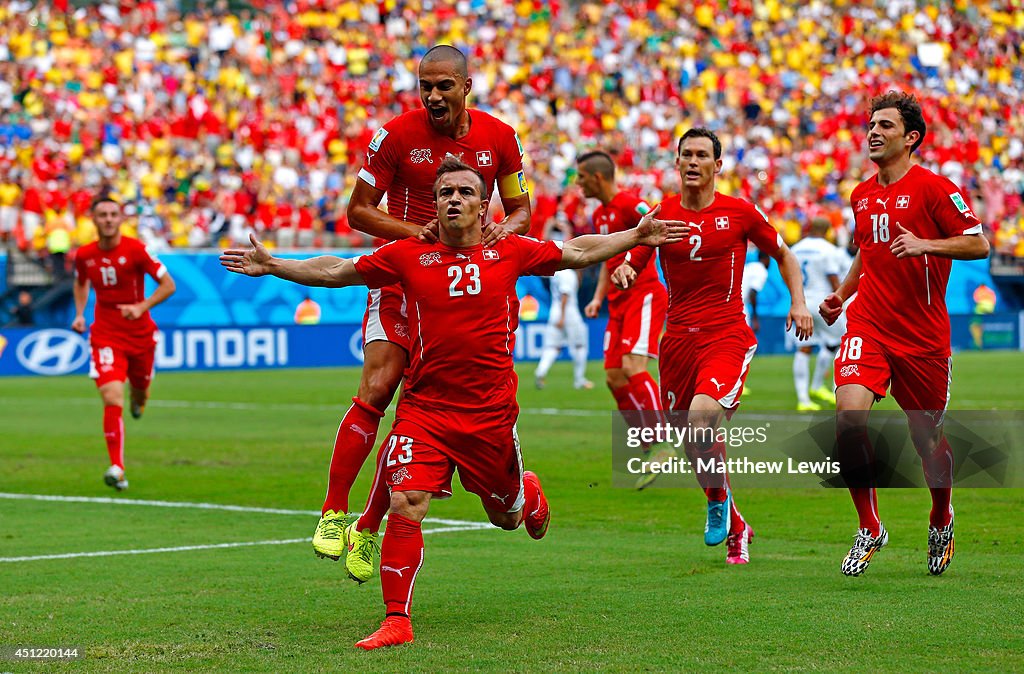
(207,122)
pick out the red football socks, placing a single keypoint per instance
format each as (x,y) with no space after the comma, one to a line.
(401,556)
(113,431)
(357,434)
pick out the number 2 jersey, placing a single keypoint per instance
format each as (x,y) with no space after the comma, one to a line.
(902,302)
(118,276)
(704,272)
(463,314)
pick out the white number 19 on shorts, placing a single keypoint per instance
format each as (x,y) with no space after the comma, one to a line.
(404,446)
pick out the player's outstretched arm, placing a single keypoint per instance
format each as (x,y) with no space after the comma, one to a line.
(832,306)
(963,247)
(584,251)
(326,270)
(799,317)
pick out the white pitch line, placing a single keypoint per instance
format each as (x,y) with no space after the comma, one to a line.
(188,548)
(209,506)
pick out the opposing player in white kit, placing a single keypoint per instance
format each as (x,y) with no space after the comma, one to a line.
(821,264)
(565,328)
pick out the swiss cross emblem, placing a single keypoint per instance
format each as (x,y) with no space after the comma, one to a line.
(903,201)
(483,158)
(490,254)
(722,222)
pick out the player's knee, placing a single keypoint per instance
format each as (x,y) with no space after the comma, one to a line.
(616,379)
(410,504)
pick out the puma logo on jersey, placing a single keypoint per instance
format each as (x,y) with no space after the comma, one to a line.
(717,385)
(884,202)
(394,570)
(499,498)
(698,226)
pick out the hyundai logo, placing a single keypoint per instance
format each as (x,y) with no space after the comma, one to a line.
(53,351)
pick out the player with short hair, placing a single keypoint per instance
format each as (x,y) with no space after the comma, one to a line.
(910,224)
(401,161)
(458,409)
(707,348)
(122,337)
(636,316)
(821,262)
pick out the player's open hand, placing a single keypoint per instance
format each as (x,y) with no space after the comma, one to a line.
(132,311)
(906,244)
(830,308)
(429,232)
(252,262)
(655,232)
(623,277)
(592,309)
(493,232)
(800,319)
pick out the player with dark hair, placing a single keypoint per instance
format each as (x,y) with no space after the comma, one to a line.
(122,337)
(707,348)
(635,316)
(458,409)
(401,162)
(910,225)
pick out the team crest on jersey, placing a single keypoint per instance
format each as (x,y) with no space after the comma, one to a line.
(428,259)
(849,371)
(722,222)
(420,155)
(401,329)
(378,138)
(400,476)
(491,254)
(483,158)
(862,205)
(122,259)
(903,201)
(90,263)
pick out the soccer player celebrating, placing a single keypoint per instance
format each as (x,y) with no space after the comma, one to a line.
(636,316)
(122,337)
(821,263)
(401,161)
(909,224)
(707,348)
(459,405)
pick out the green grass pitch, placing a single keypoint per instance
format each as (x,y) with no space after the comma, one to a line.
(622,582)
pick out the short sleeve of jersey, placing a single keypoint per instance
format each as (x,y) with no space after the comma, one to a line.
(537,258)
(952,212)
(381,268)
(80,266)
(761,232)
(149,264)
(382,156)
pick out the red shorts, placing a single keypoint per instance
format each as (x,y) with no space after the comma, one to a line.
(119,361)
(917,383)
(634,326)
(426,446)
(386,318)
(714,363)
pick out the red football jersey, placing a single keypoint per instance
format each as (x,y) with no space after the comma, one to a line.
(463,313)
(118,275)
(624,212)
(403,156)
(902,302)
(704,273)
